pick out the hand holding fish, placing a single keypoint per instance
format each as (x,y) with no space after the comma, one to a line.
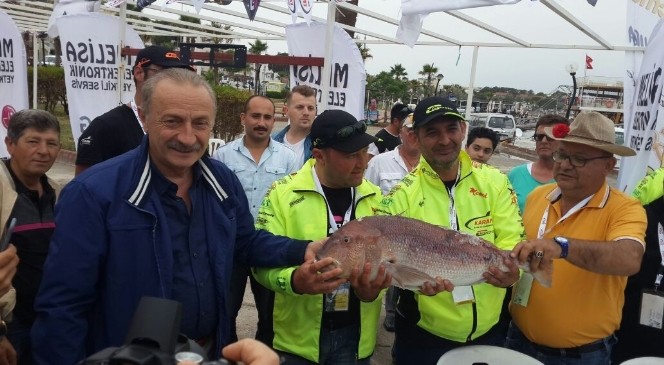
(366,288)
(500,278)
(317,277)
(539,252)
(441,285)
(312,248)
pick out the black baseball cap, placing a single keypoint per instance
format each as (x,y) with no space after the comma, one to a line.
(434,107)
(400,111)
(160,56)
(340,130)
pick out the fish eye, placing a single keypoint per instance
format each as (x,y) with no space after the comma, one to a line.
(346,239)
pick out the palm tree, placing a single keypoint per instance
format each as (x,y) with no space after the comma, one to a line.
(257,47)
(398,71)
(347,17)
(364,50)
(428,70)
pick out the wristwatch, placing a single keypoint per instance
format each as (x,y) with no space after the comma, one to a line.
(564,245)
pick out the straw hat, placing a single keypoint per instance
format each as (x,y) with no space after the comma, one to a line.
(591,129)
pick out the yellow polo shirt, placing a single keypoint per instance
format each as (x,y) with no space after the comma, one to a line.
(581,306)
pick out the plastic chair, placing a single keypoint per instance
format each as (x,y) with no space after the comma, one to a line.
(214,144)
(644,361)
(489,355)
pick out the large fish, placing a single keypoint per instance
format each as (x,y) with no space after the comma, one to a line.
(415,252)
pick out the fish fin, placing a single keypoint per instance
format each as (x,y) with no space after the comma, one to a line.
(544,277)
(408,277)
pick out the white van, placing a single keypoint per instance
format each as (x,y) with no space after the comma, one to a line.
(503,124)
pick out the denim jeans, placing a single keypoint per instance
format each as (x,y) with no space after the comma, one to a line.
(413,345)
(391,300)
(337,347)
(263,297)
(517,341)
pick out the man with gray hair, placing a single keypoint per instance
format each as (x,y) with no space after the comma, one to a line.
(162,220)
(27,195)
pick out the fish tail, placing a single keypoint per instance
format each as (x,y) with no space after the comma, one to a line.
(544,276)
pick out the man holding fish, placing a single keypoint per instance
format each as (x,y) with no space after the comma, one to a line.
(593,237)
(319,316)
(449,190)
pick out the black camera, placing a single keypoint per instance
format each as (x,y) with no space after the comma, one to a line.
(154,339)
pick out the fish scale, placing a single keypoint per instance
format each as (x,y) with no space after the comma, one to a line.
(413,251)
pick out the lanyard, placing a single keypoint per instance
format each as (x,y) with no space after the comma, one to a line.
(452,210)
(660,272)
(545,217)
(332,223)
(134,108)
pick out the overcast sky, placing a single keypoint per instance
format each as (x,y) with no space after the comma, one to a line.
(541,70)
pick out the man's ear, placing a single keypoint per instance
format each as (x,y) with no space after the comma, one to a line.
(141,116)
(139,74)
(9,144)
(317,153)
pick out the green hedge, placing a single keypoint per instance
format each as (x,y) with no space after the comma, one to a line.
(230,103)
(276,94)
(51,86)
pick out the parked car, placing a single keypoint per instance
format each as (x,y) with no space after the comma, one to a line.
(49,60)
(503,124)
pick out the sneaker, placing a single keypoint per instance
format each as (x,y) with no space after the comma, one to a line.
(388,324)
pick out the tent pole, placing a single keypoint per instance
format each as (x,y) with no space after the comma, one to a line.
(327,62)
(34,70)
(471,85)
(123,32)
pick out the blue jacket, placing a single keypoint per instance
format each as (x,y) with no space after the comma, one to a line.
(279,137)
(112,246)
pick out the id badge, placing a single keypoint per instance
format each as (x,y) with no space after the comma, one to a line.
(338,300)
(463,294)
(521,292)
(652,309)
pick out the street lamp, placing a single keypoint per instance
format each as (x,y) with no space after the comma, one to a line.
(439,77)
(42,36)
(571,69)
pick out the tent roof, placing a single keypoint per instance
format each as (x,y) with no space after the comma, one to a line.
(505,26)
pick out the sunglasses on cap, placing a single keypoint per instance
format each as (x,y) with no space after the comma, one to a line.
(343,133)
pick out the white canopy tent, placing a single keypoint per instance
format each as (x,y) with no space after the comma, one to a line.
(507,26)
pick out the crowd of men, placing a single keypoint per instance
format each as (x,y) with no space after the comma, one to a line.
(165,219)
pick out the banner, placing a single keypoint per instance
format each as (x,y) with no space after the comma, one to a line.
(644,126)
(70,7)
(13,75)
(641,20)
(348,77)
(302,7)
(91,60)
(414,11)
(251,6)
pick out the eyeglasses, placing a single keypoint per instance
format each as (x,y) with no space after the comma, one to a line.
(539,137)
(574,160)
